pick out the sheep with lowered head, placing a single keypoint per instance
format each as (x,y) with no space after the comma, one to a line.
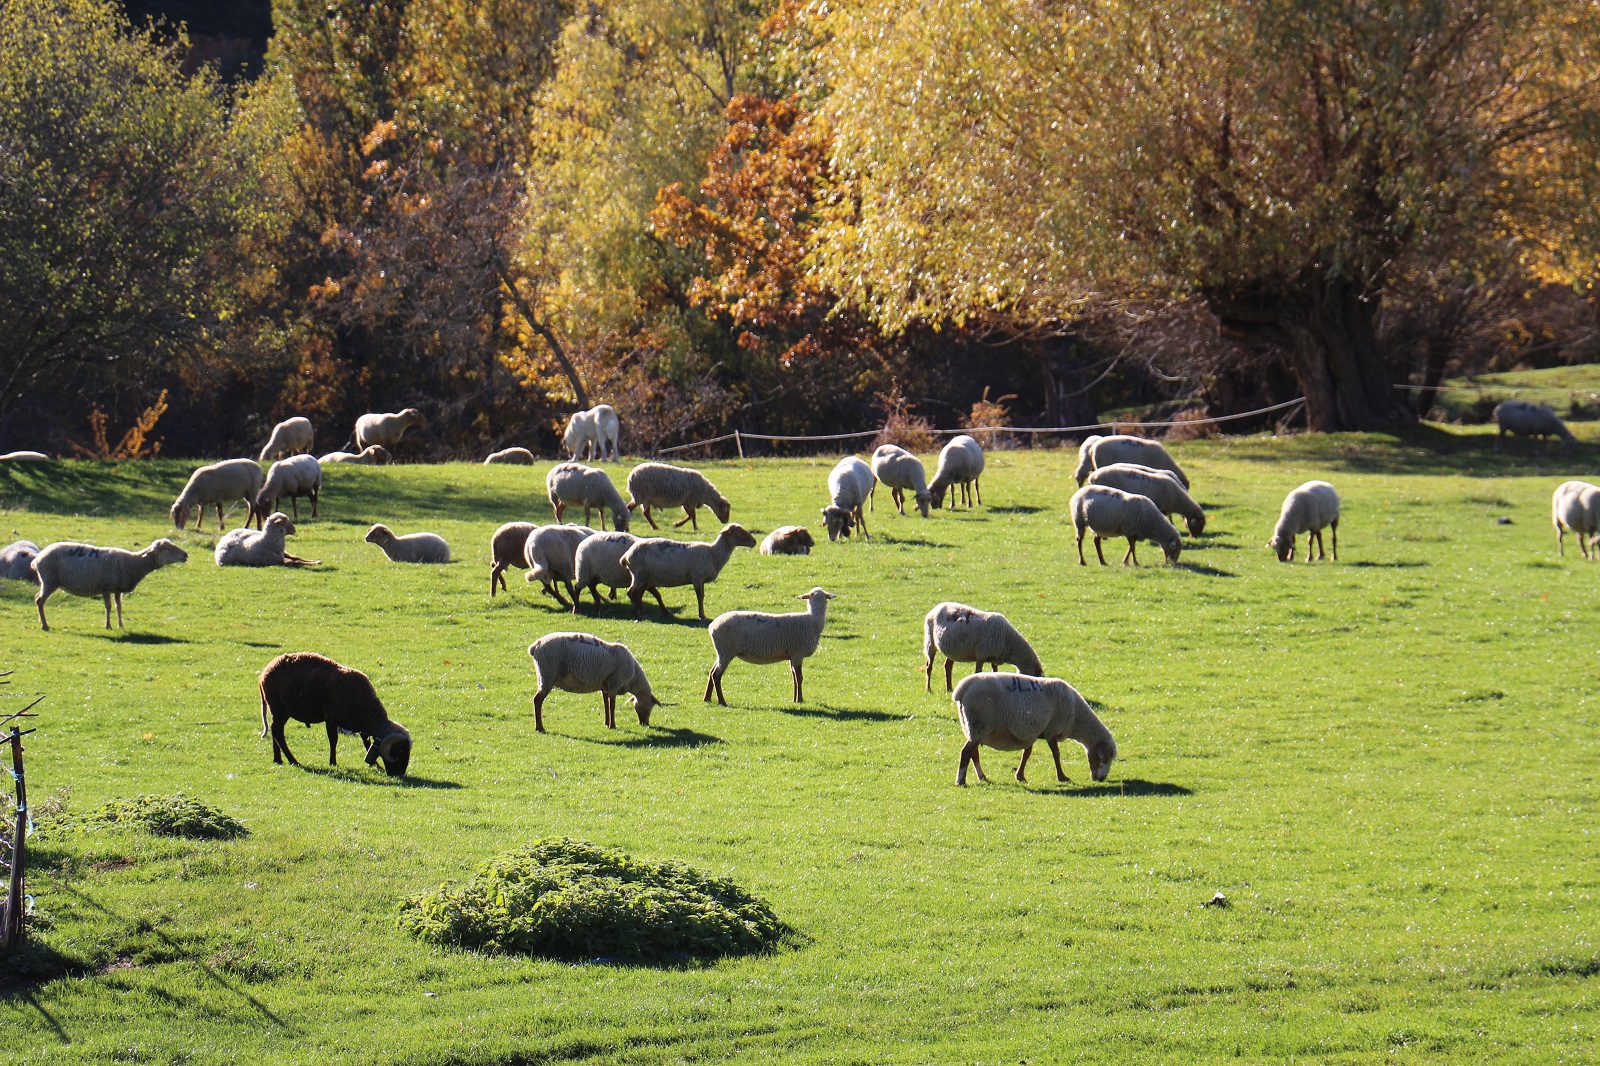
(656,563)
(850,484)
(576,485)
(508,547)
(294,478)
(87,570)
(552,552)
(590,433)
(411,548)
(960,464)
(514,456)
(788,540)
(577,662)
(16,560)
(386,429)
(902,472)
(1012,712)
(663,485)
(598,561)
(1160,486)
(1534,420)
(1307,510)
(217,484)
(312,688)
(371,455)
(1109,512)
(1098,451)
(965,634)
(246,547)
(1575,506)
(764,639)
(292,436)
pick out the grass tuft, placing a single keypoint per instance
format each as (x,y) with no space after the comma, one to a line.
(169,816)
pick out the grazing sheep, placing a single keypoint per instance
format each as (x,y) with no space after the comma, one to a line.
(788,540)
(311,688)
(574,485)
(386,429)
(1110,512)
(1534,420)
(85,570)
(552,552)
(850,484)
(16,560)
(1575,506)
(661,485)
(1010,712)
(598,561)
(1161,487)
(24,457)
(219,483)
(763,639)
(901,471)
(656,563)
(1098,451)
(246,547)
(577,662)
(518,456)
(411,548)
(290,437)
(294,478)
(1306,510)
(965,634)
(372,455)
(590,432)
(508,547)
(960,463)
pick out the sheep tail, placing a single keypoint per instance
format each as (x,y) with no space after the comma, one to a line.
(263,711)
(927,645)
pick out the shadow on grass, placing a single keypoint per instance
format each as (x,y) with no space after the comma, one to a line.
(147,638)
(658,737)
(1421,449)
(1128,786)
(1202,568)
(838,714)
(1400,564)
(377,777)
(1017,509)
(912,542)
(259,644)
(34,964)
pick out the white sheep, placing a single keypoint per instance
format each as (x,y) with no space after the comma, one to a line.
(292,436)
(1162,487)
(965,634)
(1098,451)
(577,662)
(508,547)
(1307,510)
(656,563)
(1011,712)
(589,433)
(517,456)
(1575,506)
(552,552)
(663,485)
(850,483)
(764,639)
(576,485)
(246,547)
(788,540)
(16,560)
(899,470)
(24,457)
(1110,512)
(960,464)
(598,561)
(1535,420)
(217,484)
(294,478)
(371,455)
(411,548)
(86,570)
(386,429)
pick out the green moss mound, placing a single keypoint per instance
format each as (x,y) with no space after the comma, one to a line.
(169,816)
(569,899)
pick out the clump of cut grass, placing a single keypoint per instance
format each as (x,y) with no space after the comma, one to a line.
(169,816)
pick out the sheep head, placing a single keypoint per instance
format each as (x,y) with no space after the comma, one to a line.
(282,521)
(838,520)
(643,703)
(924,498)
(412,417)
(737,535)
(1283,544)
(180,515)
(721,508)
(1196,523)
(377,455)
(1172,547)
(394,748)
(1100,757)
(818,594)
(379,534)
(802,536)
(166,553)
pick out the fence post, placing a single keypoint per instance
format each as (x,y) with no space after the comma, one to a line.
(738,442)
(11,922)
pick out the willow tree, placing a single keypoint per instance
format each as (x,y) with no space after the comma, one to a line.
(1282,159)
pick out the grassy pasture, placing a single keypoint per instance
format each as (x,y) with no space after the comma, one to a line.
(1389,765)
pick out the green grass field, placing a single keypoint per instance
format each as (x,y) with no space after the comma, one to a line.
(1389,765)
(1573,391)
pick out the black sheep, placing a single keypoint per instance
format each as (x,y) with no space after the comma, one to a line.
(312,688)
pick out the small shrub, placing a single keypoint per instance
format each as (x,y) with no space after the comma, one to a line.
(987,412)
(1191,426)
(133,444)
(911,432)
(169,816)
(569,899)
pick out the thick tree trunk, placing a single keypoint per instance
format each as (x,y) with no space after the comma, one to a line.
(1067,399)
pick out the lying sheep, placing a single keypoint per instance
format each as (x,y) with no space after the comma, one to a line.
(850,483)
(386,429)
(508,548)
(292,436)
(85,570)
(598,561)
(1161,487)
(24,457)
(1306,510)
(656,563)
(1098,451)
(901,471)
(372,455)
(662,485)
(965,634)
(1010,712)
(517,456)
(960,463)
(1110,512)
(1575,506)
(16,560)
(788,540)
(411,548)
(551,552)
(576,485)
(219,483)
(1534,420)
(294,478)
(311,688)
(577,662)
(589,433)
(765,639)
(246,547)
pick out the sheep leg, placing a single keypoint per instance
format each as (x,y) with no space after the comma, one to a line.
(107,598)
(314,494)
(610,703)
(333,744)
(861,520)
(1335,527)
(714,682)
(688,517)
(1022,767)
(538,708)
(119,610)
(221,522)
(949,675)
(969,753)
(1098,550)
(550,587)
(1133,552)
(1081,561)
(796,669)
(497,578)
(977,487)
(663,603)
(927,669)
(280,741)
(637,596)
(561,509)
(647,517)
(1055,750)
(700,601)
(38,601)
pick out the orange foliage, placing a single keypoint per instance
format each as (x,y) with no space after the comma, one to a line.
(132,444)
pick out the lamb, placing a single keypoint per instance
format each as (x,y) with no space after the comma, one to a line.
(577,662)
(788,540)
(508,547)
(246,547)
(1160,486)
(660,485)
(598,561)
(220,483)
(1306,510)
(901,471)
(16,560)
(290,437)
(590,432)
(294,478)
(1575,506)
(386,429)
(518,456)
(763,639)
(24,457)
(1098,451)
(1110,512)
(1010,712)
(572,484)
(965,634)
(85,570)
(1534,420)
(656,563)
(411,548)
(551,552)
(311,688)
(372,455)
(850,483)
(960,463)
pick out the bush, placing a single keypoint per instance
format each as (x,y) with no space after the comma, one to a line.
(568,899)
(169,816)
(911,432)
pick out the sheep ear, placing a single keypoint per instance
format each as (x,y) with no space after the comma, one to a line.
(372,754)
